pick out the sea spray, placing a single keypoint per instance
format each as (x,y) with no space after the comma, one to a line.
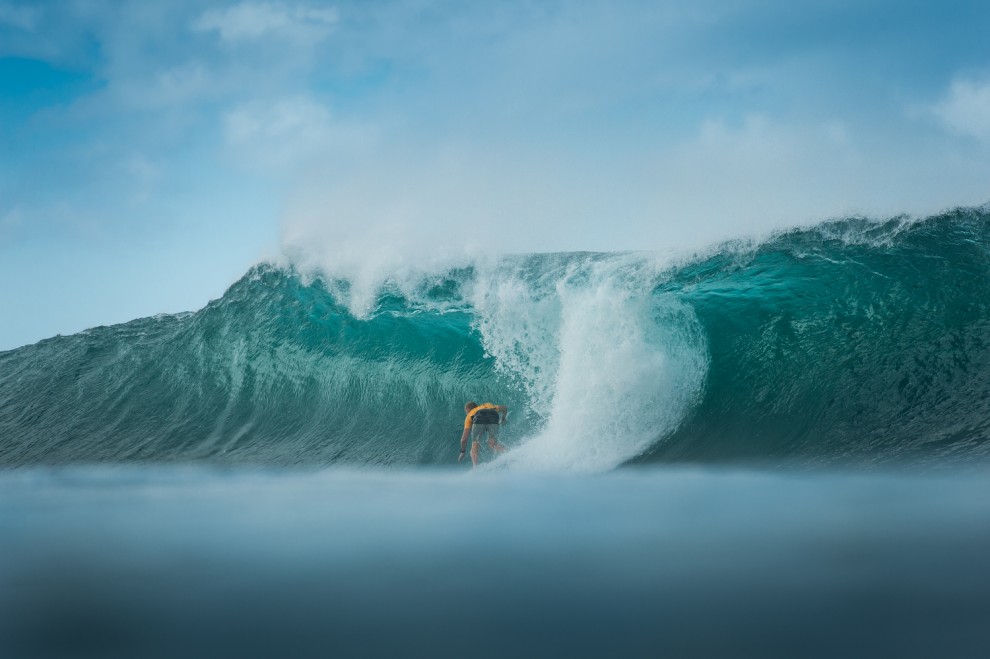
(623,370)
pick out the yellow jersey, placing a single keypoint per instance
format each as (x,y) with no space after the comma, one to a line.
(469,420)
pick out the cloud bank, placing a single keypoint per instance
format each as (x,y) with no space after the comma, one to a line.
(966,108)
(141,135)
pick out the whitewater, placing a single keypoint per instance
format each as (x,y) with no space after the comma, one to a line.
(772,447)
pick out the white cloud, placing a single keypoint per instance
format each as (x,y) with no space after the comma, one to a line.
(20,17)
(288,120)
(769,173)
(966,108)
(11,220)
(288,133)
(762,174)
(255,20)
(173,87)
(143,175)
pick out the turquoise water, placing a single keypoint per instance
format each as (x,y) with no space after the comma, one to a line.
(772,448)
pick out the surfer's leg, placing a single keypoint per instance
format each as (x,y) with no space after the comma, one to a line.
(493,438)
(474,452)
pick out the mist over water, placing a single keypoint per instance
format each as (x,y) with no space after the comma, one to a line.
(166,560)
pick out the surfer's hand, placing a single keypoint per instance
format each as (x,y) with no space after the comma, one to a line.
(460,456)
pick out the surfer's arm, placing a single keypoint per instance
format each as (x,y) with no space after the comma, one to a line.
(502,410)
(464,438)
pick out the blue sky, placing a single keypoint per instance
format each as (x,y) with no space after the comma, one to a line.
(151,151)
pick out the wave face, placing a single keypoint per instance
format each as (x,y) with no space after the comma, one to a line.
(853,341)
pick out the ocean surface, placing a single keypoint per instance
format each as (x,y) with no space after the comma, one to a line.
(775,447)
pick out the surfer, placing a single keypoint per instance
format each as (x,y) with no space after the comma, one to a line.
(484,419)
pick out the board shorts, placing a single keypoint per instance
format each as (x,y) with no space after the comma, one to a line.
(479,430)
